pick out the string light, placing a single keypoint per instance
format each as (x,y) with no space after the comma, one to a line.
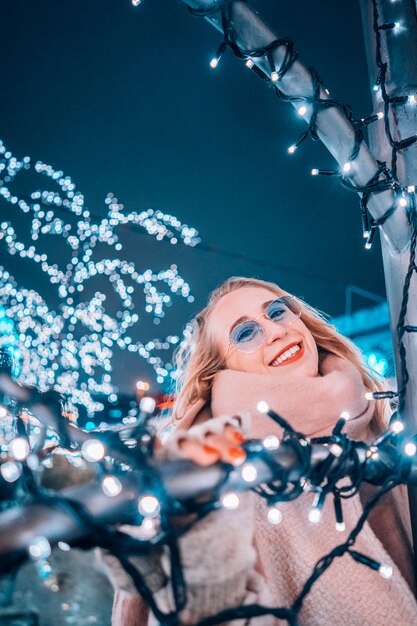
(262,406)
(149,506)
(40,548)
(10,471)
(249,473)
(410,448)
(336,449)
(19,448)
(111,486)
(93,450)
(385,570)
(271,442)
(72,348)
(147,405)
(274,515)
(314,515)
(230,501)
(396,426)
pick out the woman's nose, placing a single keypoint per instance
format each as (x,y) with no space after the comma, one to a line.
(273,330)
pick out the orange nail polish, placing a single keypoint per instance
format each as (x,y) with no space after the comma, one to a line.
(210,450)
(237,454)
(237,436)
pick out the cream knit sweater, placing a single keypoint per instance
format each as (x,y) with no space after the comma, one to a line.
(238,557)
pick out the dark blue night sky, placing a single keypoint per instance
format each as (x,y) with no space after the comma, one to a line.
(123,100)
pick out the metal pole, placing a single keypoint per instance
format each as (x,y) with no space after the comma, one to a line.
(398,51)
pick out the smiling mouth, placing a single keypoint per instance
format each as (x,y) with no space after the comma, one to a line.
(289,355)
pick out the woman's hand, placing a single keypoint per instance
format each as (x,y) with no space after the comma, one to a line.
(218,439)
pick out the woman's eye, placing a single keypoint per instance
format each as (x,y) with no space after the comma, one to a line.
(245,334)
(276,312)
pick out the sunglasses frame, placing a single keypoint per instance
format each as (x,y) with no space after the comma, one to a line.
(265,314)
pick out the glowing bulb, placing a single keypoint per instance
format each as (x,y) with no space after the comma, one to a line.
(385,570)
(366,234)
(302,111)
(314,515)
(230,501)
(292,149)
(411,188)
(315,172)
(65,547)
(249,473)
(111,486)
(368,245)
(3,411)
(396,426)
(397,25)
(411,99)
(346,167)
(149,506)
(93,450)
(147,405)
(40,548)
(136,3)
(274,77)
(345,415)
(410,448)
(380,115)
(271,442)
(142,385)
(262,407)
(274,515)
(340,526)
(335,449)
(214,62)
(402,202)
(249,63)
(369,395)
(10,471)
(19,448)
(375,88)
(373,453)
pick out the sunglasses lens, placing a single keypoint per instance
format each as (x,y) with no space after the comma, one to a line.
(248,336)
(283,310)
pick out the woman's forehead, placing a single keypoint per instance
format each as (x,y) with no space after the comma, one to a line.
(244,302)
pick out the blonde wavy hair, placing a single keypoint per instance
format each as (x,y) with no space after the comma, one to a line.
(198,359)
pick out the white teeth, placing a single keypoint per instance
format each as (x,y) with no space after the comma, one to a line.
(286,355)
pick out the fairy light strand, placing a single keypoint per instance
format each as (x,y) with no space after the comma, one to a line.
(72,345)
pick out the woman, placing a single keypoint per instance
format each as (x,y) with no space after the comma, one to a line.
(256,342)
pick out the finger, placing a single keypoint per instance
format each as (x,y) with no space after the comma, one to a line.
(200,453)
(228,453)
(235,436)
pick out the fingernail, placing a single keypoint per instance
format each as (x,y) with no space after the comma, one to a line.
(210,450)
(237,436)
(237,454)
